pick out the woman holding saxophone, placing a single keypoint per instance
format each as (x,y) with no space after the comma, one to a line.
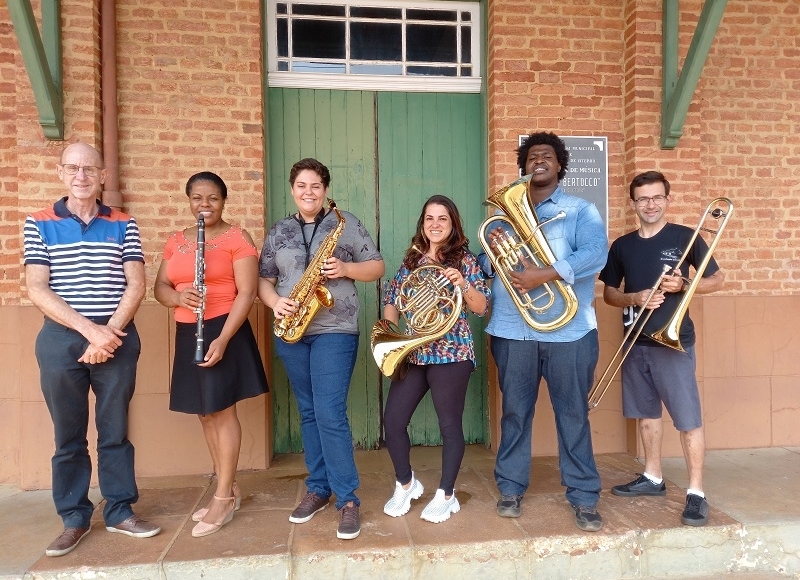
(231,370)
(320,354)
(442,366)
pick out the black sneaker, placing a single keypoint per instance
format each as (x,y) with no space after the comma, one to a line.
(349,523)
(696,511)
(640,486)
(587,518)
(508,506)
(305,510)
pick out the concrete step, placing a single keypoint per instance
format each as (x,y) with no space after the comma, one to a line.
(641,537)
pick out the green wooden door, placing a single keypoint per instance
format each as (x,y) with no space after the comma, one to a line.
(430,143)
(338,128)
(387,153)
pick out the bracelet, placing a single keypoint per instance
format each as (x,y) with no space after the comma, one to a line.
(465,287)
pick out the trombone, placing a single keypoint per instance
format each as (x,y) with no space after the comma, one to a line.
(669,335)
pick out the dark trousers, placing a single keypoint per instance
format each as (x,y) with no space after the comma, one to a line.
(65,385)
(568,368)
(447,383)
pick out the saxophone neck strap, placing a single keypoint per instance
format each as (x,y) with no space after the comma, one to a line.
(307,244)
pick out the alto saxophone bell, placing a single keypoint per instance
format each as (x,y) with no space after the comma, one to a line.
(310,291)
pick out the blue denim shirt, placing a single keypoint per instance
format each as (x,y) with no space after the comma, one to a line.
(580,245)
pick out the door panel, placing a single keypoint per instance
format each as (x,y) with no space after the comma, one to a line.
(430,143)
(336,127)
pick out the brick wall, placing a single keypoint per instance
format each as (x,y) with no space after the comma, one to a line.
(189,91)
(190,99)
(575,68)
(29,182)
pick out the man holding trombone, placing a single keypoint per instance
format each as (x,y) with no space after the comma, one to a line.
(653,262)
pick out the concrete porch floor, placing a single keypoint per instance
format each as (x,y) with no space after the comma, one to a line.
(753,531)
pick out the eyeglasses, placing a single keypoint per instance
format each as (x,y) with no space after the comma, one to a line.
(88,170)
(645,201)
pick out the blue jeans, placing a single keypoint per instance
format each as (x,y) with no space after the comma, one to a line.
(568,368)
(319,368)
(65,384)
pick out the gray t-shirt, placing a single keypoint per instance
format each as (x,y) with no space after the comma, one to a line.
(284,257)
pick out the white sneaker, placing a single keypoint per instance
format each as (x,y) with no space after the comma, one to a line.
(440,508)
(400,502)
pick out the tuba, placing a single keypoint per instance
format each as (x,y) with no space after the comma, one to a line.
(430,305)
(310,291)
(669,334)
(523,239)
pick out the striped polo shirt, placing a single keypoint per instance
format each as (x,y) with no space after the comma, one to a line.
(85,260)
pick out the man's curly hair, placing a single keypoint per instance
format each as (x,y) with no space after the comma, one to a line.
(544,138)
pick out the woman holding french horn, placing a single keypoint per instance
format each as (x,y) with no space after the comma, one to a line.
(438,257)
(209,275)
(309,264)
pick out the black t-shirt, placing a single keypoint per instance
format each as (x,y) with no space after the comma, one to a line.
(640,261)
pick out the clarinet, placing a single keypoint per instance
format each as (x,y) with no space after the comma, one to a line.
(200,285)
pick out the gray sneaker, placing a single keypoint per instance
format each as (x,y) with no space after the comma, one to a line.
(587,518)
(310,505)
(508,506)
(135,527)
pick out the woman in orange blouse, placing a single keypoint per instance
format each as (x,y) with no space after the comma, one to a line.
(232,369)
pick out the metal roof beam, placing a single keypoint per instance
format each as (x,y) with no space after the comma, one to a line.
(677,90)
(41,54)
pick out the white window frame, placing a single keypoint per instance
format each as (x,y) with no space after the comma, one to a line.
(359,82)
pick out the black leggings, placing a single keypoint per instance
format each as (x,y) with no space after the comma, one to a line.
(448,385)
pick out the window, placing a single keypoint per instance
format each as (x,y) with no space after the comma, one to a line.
(362,45)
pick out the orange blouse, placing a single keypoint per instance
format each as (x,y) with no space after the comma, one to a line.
(220,254)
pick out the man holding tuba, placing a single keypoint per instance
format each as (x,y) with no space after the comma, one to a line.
(564,355)
(653,373)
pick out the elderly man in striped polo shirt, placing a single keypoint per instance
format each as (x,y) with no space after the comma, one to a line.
(84,270)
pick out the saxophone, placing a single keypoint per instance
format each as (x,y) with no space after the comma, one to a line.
(310,292)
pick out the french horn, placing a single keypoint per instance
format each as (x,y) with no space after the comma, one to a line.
(551,305)
(430,306)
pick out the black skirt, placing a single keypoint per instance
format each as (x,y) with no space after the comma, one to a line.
(238,376)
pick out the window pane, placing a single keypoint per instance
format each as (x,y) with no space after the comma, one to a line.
(283,37)
(466,71)
(376,69)
(466,17)
(466,44)
(439,71)
(430,43)
(281,9)
(283,65)
(388,13)
(318,67)
(318,38)
(442,15)
(376,41)
(317,10)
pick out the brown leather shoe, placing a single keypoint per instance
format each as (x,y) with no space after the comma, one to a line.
(135,527)
(66,542)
